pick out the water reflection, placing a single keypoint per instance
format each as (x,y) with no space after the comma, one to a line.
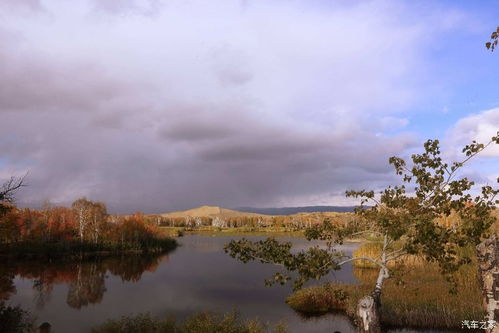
(199,276)
(366,276)
(86,280)
(7,286)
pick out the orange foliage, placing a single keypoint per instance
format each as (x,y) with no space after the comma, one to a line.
(53,224)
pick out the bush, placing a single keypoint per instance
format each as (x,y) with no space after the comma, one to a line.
(416,296)
(199,323)
(14,319)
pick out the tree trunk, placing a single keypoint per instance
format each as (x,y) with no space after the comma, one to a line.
(488,268)
(368,315)
(368,308)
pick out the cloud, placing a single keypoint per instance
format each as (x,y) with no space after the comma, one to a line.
(144,7)
(20,5)
(479,127)
(218,102)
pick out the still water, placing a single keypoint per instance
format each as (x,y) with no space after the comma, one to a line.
(197,276)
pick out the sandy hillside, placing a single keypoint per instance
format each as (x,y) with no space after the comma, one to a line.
(208,211)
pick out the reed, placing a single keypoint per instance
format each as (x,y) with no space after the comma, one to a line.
(417,296)
(198,323)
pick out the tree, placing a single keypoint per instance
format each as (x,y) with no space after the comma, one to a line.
(47,209)
(405,219)
(82,209)
(98,218)
(7,191)
(90,217)
(494,38)
(9,228)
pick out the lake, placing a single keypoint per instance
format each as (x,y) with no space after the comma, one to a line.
(197,276)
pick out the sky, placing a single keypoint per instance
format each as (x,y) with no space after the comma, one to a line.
(160,105)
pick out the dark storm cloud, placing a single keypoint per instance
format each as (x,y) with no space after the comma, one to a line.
(263,145)
(32,82)
(196,132)
(204,103)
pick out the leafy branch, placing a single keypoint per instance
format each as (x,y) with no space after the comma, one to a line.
(407,224)
(494,37)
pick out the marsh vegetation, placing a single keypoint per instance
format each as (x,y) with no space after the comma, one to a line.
(417,295)
(83,230)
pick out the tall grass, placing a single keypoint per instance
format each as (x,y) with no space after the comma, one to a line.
(373,250)
(198,323)
(416,296)
(232,231)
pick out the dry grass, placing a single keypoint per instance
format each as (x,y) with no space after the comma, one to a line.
(197,323)
(172,231)
(495,226)
(373,250)
(418,297)
(234,231)
(210,211)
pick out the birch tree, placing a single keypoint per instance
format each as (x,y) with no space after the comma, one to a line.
(82,209)
(98,217)
(403,217)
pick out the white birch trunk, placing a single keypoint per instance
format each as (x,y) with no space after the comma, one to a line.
(368,308)
(488,266)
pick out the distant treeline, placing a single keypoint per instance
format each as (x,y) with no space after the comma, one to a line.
(296,210)
(297,221)
(85,227)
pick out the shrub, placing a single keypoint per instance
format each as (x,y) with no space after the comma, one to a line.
(203,322)
(14,319)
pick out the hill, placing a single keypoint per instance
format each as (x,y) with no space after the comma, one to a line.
(209,211)
(295,210)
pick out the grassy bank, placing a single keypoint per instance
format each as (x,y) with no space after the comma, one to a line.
(420,299)
(14,319)
(198,323)
(234,231)
(38,249)
(242,231)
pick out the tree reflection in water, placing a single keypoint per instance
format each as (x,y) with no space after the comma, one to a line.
(88,287)
(86,278)
(7,287)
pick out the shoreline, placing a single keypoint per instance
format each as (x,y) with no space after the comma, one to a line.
(243,231)
(78,250)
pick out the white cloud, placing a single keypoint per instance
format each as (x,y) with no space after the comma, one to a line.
(479,127)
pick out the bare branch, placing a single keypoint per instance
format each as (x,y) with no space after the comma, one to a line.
(391,255)
(361,258)
(367,232)
(9,188)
